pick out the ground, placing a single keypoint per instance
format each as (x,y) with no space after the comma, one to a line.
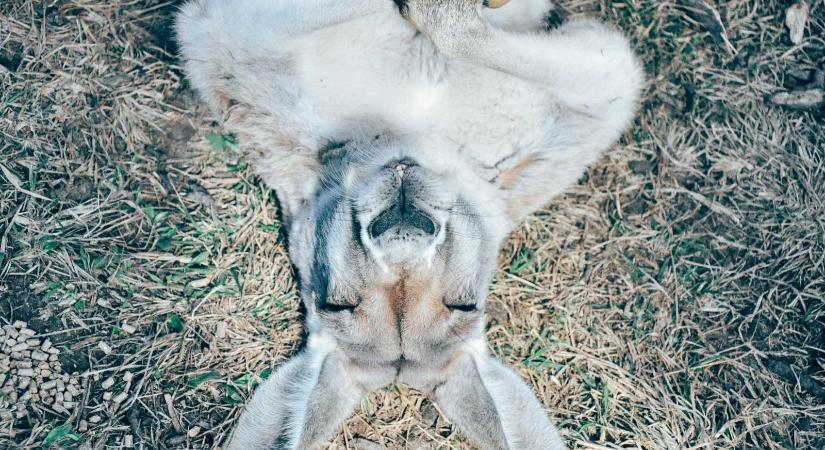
(672,299)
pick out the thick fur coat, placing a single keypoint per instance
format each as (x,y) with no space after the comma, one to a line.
(405,140)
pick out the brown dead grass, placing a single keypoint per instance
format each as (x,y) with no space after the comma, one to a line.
(673,299)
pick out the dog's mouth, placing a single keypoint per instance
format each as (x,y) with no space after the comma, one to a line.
(403,219)
(400,215)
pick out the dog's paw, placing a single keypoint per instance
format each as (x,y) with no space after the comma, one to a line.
(495,3)
(404,9)
(455,27)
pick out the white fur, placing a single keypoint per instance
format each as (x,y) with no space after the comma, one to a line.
(509,115)
(330,70)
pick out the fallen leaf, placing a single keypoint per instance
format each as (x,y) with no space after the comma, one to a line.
(197,380)
(60,432)
(709,19)
(803,99)
(199,194)
(795,19)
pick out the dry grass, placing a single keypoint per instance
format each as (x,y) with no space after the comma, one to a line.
(671,300)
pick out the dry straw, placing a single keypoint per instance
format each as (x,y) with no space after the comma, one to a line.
(673,299)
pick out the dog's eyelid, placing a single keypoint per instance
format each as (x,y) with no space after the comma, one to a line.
(335,308)
(463,307)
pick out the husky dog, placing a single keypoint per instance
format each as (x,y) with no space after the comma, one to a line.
(405,139)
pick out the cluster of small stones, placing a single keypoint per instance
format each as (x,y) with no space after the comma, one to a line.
(31,376)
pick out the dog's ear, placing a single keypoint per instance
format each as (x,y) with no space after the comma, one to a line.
(300,405)
(494,407)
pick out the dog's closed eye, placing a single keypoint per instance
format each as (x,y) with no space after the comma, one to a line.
(463,307)
(333,308)
(337,305)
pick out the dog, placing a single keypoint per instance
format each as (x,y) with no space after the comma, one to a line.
(405,140)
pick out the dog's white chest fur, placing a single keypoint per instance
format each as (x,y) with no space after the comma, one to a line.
(377,74)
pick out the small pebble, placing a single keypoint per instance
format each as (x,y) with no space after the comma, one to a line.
(94,419)
(83,426)
(107,396)
(194,431)
(20,347)
(220,330)
(31,377)
(120,398)
(107,383)
(128,329)
(104,347)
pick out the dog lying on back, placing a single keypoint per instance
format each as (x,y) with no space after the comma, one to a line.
(405,140)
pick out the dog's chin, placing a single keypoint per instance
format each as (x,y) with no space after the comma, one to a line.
(403,253)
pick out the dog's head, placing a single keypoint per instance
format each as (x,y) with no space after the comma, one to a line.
(395,254)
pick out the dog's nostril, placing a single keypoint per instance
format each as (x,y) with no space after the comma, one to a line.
(383,222)
(418,220)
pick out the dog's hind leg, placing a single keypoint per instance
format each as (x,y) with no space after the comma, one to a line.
(519,15)
(590,75)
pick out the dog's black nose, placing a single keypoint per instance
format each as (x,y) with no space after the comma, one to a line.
(402,215)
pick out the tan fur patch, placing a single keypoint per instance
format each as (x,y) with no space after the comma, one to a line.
(396,295)
(496,3)
(508,178)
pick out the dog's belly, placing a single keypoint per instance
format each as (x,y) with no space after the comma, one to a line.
(493,115)
(391,79)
